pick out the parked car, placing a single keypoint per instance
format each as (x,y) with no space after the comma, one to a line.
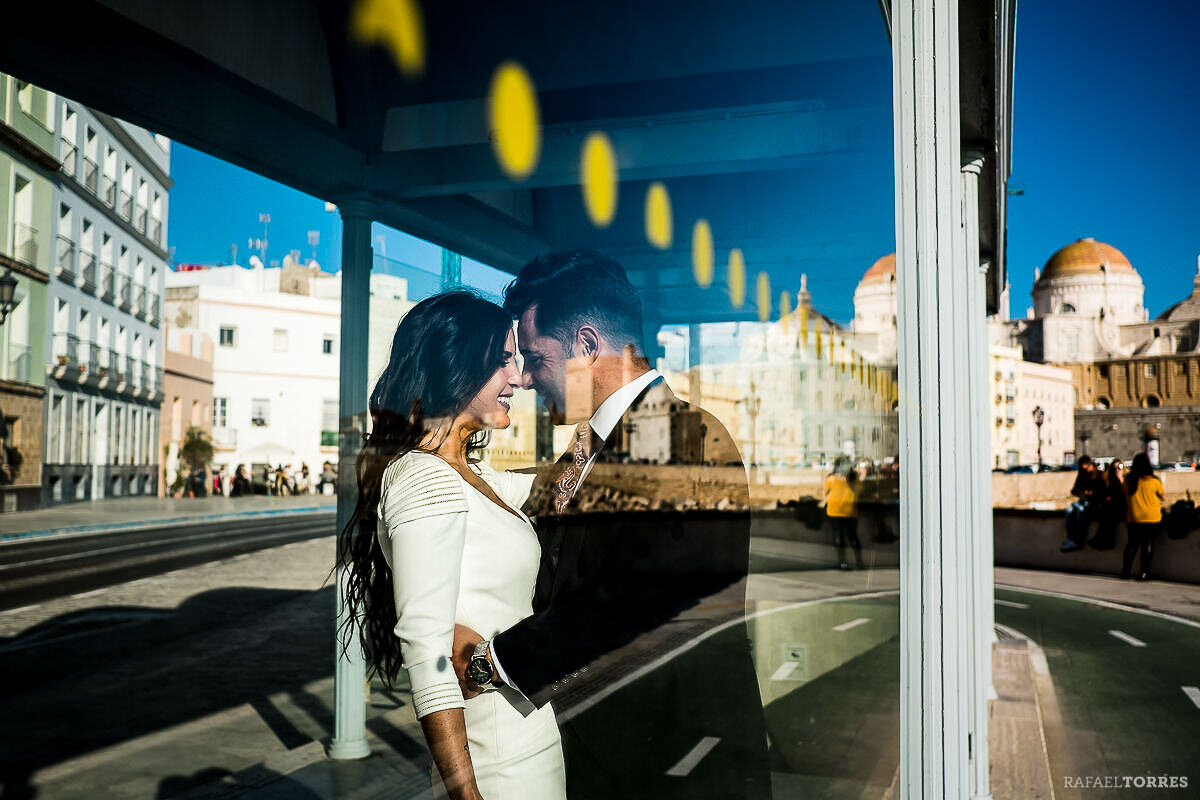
(1180,466)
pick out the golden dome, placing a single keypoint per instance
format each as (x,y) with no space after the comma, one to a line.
(881,271)
(1083,257)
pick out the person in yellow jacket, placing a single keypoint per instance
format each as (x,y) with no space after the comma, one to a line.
(1145,493)
(841,507)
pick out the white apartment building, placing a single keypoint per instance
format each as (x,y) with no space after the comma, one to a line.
(275,363)
(1019,388)
(104,343)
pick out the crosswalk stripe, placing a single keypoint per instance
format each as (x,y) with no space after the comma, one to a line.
(1011,603)
(689,762)
(1125,637)
(854,623)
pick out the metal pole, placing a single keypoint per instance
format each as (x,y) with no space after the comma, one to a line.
(934,413)
(349,724)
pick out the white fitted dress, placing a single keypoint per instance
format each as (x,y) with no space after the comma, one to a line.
(456,556)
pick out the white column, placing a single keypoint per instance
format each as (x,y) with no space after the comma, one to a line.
(350,703)
(979,538)
(935,420)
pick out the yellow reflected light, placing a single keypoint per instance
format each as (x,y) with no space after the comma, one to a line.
(737,278)
(514,121)
(598,176)
(395,24)
(702,253)
(764,297)
(803,325)
(658,216)
(817,327)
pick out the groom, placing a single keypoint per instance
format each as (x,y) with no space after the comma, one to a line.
(626,579)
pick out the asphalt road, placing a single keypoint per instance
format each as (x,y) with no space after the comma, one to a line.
(1121,705)
(38,569)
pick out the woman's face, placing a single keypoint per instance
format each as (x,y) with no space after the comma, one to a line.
(489,408)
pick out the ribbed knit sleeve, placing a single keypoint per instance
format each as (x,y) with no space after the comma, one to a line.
(423,512)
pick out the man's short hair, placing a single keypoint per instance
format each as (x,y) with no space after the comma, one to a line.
(1084,461)
(574,287)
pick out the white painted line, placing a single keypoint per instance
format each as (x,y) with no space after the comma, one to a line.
(22,608)
(92,593)
(854,623)
(1011,604)
(1193,694)
(612,688)
(784,671)
(1127,639)
(1103,604)
(689,762)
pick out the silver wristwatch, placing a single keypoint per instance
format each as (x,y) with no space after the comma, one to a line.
(479,668)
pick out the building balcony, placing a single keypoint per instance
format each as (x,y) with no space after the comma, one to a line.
(91,174)
(107,274)
(139,301)
(65,263)
(18,364)
(125,206)
(225,438)
(151,378)
(69,154)
(124,293)
(155,312)
(108,191)
(156,228)
(25,243)
(67,350)
(87,270)
(140,216)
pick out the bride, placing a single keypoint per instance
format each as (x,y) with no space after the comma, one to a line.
(437,538)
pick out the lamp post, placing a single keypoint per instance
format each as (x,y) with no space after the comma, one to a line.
(1039,417)
(8,291)
(1084,436)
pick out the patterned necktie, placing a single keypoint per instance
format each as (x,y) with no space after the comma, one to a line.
(564,486)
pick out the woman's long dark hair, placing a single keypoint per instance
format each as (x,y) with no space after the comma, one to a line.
(445,350)
(1139,468)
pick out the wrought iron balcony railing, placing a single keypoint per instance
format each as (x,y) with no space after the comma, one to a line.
(69,154)
(64,263)
(108,191)
(91,174)
(106,281)
(19,362)
(87,270)
(25,243)
(125,207)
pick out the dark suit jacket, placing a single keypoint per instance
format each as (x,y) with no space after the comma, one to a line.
(638,544)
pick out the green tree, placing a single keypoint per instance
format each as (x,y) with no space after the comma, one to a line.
(196,450)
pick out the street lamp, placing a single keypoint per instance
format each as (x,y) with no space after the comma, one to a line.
(1039,417)
(8,291)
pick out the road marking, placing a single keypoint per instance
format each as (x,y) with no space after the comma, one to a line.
(784,671)
(92,593)
(854,623)
(1125,637)
(1102,603)
(689,762)
(610,689)
(22,608)
(1193,694)
(1011,604)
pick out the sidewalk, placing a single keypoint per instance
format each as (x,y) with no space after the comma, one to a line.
(268,744)
(136,512)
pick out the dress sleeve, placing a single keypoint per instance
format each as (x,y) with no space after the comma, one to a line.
(512,487)
(424,515)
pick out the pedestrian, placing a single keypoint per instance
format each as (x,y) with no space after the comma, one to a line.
(218,487)
(841,507)
(1145,492)
(304,480)
(328,482)
(1114,507)
(1088,489)
(241,483)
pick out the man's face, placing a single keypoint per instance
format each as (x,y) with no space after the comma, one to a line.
(545,363)
(1090,468)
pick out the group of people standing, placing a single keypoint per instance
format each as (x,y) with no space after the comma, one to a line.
(1118,495)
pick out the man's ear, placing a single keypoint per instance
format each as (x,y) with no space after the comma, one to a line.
(587,342)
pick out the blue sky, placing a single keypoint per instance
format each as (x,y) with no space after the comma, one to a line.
(1104,126)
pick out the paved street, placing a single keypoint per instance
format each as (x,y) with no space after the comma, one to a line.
(216,681)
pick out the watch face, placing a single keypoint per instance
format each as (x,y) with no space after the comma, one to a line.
(479,670)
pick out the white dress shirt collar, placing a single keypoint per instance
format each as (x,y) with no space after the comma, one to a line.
(614,407)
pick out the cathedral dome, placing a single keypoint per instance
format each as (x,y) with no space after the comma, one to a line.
(1085,257)
(882,271)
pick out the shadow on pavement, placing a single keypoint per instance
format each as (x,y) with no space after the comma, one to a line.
(91,679)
